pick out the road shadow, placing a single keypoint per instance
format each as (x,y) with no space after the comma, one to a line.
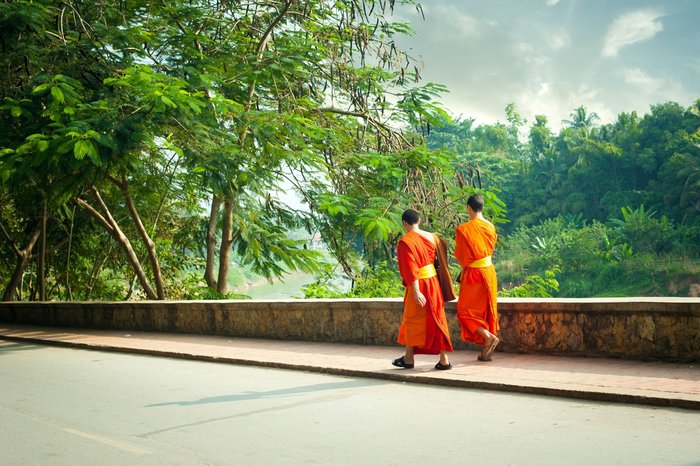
(284,392)
(11,346)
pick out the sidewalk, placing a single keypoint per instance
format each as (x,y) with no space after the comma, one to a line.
(614,380)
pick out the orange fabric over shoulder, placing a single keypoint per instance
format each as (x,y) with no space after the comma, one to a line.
(443,270)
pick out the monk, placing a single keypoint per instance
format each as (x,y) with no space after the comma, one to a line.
(424,325)
(476,308)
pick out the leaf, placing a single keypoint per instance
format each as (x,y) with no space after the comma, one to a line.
(41,88)
(196,107)
(57,94)
(65,147)
(377,228)
(333,208)
(167,101)
(84,147)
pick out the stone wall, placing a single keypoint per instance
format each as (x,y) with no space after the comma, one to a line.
(634,328)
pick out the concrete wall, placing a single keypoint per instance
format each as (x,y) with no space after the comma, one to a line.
(633,328)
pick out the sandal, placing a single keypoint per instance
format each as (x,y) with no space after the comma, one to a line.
(486,353)
(401,362)
(441,367)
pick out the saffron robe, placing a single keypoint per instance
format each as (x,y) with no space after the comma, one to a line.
(423,328)
(478,287)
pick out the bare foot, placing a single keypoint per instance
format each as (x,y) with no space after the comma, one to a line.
(489,348)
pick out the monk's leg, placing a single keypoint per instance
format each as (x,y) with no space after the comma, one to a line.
(408,357)
(486,335)
(490,342)
(443,358)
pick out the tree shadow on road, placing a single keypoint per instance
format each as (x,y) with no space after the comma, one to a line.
(284,392)
(11,346)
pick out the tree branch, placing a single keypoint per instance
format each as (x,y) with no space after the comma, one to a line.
(9,238)
(92,211)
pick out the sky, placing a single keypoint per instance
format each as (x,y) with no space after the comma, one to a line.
(552,56)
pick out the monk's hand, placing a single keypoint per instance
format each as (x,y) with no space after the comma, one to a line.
(420,298)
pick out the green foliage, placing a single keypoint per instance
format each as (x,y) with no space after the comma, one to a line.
(194,292)
(380,281)
(645,233)
(534,286)
(160,118)
(161,115)
(592,259)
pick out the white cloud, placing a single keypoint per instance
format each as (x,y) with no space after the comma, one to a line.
(535,60)
(640,79)
(452,22)
(557,100)
(631,28)
(645,90)
(552,2)
(557,39)
(467,26)
(526,57)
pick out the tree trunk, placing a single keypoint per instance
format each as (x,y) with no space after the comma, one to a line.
(226,242)
(148,242)
(41,263)
(211,242)
(112,227)
(23,256)
(70,244)
(16,278)
(96,269)
(227,228)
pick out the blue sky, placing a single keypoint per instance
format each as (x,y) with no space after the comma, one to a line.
(550,56)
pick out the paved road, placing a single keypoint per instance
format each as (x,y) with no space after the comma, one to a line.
(74,407)
(598,379)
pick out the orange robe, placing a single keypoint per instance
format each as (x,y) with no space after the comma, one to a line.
(424,328)
(478,287)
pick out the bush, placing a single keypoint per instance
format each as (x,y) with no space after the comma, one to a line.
(630,257)
(645,233)
(534,287)
(380,281)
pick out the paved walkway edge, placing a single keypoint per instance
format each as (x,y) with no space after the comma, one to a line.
(393,376)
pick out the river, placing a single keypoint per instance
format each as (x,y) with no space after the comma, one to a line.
(289,287)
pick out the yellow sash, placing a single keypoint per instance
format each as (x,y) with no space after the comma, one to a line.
(426,272)
(480,263)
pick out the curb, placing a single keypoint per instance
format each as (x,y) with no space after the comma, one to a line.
(391,376)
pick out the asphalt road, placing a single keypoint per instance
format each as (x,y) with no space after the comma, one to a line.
(75,407)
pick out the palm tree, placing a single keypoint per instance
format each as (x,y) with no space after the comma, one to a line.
(551,169)
(582,120)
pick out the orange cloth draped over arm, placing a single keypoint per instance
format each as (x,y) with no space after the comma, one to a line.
(478,287)
(424,328)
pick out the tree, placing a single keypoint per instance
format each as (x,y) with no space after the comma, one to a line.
(149,107)
(582,121)
(540,137)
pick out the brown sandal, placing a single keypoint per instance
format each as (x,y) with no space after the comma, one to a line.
(487,352)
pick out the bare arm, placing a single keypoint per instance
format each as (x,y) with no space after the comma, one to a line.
(417,294)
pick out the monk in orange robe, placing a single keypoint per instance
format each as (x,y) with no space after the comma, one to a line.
(424,325)
(476,308)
